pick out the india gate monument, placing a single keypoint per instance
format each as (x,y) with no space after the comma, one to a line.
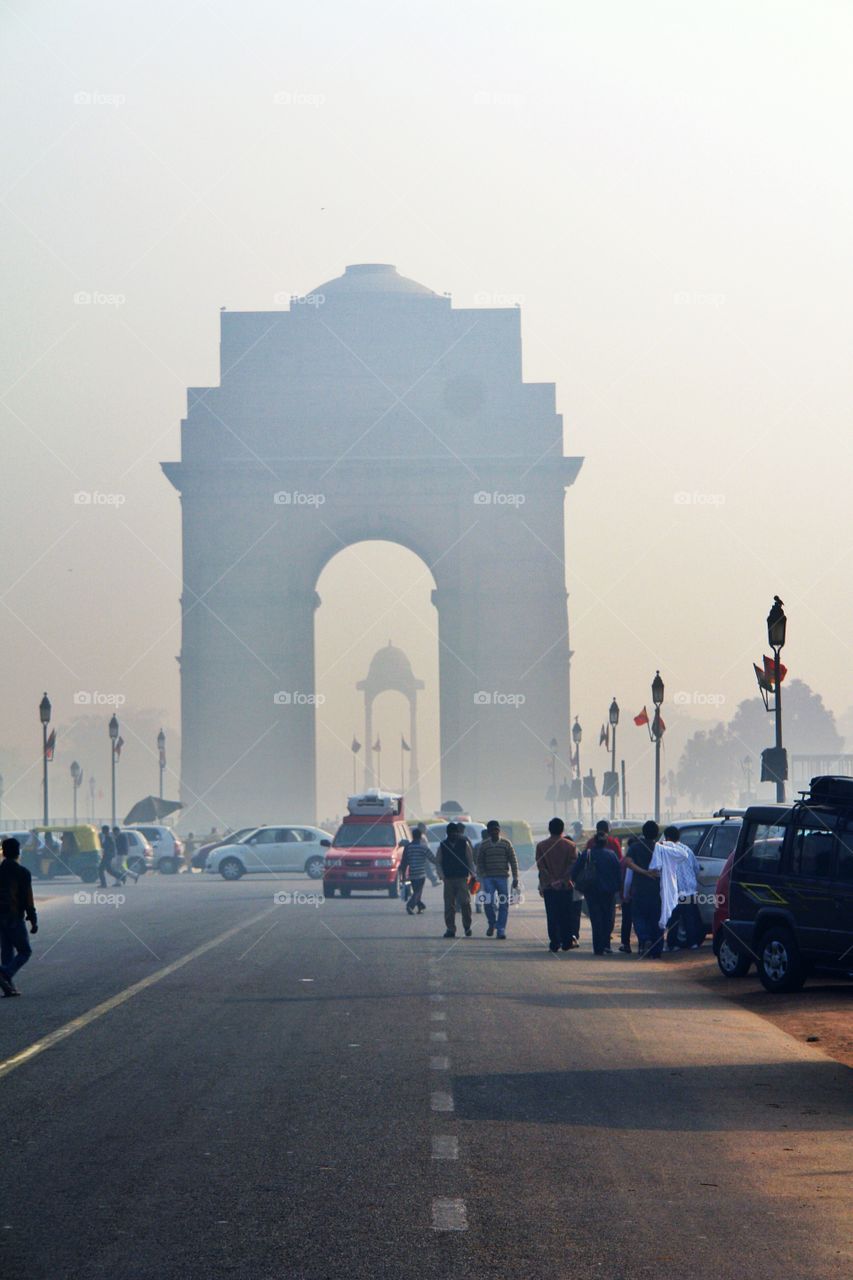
(371,409)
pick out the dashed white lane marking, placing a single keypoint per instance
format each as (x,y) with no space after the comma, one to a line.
(445,1147)
(441,1101)
(438,1017)
(449,1215)
(438,1037)
(439,1064)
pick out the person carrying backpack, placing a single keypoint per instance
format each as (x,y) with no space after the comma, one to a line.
(598,876)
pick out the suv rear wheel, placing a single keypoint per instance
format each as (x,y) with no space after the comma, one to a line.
(733,962)
(780,965)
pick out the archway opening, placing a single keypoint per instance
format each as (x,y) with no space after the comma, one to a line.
(375,594)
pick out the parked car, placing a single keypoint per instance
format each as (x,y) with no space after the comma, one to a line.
(272,849)
(791,886)
(167,851)
(734,962)
(140,855)
(199,858)
(436,832)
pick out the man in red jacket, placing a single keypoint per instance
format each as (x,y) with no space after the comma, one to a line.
(555,858)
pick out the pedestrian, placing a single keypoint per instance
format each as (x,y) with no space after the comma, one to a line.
(577,896)
(108,850)
(676,866)
(626,908)
(555,858)
(120,858)
(598,875)
(645,892)
(455,863)
(602,828)
(496,860)
(416,854)
(16,907)
(476,887)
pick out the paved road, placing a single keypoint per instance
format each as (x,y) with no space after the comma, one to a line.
(199,1082)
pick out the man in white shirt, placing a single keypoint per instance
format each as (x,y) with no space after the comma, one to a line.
(675,863)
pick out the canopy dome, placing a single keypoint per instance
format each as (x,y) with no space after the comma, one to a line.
(390,669)
(376,279)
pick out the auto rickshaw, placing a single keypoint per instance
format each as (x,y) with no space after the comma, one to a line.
(64,851)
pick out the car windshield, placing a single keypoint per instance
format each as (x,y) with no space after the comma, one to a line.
(355,835)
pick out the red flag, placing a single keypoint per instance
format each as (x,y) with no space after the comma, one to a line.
(50,745)
(604,736)
(770,670)
(662,723)
(642,718)
(118,746)
(763,681)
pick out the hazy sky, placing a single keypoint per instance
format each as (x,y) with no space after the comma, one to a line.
(665,188)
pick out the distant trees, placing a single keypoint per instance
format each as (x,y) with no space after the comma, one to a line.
(709,771)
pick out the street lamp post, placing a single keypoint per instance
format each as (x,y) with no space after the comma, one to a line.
(75,783)
(614,720)
(113,740)
(776,627)
(44,716)
(161,755)
(657,733)
(577,735)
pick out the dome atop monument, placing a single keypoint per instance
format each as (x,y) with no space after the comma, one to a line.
(390,669)
(377,279)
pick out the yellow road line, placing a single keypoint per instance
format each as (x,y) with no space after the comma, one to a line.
(106,1006)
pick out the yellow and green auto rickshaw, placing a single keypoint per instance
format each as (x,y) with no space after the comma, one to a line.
(63,851)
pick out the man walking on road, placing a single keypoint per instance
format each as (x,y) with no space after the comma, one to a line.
(414,863)
(598,873)
(455,866)
(555,858)
(645,892)
(495,861)
(108,850)
(16,906)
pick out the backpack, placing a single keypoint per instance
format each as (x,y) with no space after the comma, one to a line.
(585,877)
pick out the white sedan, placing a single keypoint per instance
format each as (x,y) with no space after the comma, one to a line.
(272,849)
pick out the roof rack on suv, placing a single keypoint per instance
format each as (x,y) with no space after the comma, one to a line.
(728,813)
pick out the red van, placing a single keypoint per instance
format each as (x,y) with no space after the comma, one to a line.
(366,851)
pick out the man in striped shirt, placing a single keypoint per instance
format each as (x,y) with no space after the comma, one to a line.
(495,861)
(416,854)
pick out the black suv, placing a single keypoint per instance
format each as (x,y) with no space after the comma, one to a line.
(791,891)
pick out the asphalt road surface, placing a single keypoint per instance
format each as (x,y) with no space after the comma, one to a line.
(201,1082)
